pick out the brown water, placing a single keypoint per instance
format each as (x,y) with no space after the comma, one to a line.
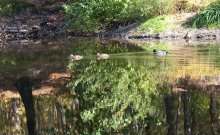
(129,93)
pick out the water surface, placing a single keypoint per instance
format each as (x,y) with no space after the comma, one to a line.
(129,93)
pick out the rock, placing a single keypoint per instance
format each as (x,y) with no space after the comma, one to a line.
(23,21)
(23,31)
(217,33)
(12,31)
(12,21)
(203,35)
(187,34)
(52,27)
(44,24)
(35,27)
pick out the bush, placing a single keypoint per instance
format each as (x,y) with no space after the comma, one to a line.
(96,15)
(100,15)
(9,7)
(189,5)
(209,16)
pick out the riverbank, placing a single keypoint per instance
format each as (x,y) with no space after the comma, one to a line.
(171,28)
(34,26)
(48,22)
(53,25)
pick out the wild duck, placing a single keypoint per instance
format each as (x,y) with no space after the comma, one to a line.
(160,53)
(75,57)
(187,37)
(102,56)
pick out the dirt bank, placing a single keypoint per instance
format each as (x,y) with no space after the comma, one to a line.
(176,30)
(49,25)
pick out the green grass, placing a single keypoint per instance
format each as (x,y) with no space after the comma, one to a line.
(209,17)
(155,25)
(214,26)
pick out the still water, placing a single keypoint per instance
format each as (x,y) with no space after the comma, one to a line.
(132,92)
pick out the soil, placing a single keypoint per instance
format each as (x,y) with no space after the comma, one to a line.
(46,24)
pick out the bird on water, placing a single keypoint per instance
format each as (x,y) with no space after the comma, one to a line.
(102,56)
(160,53)
(75,57)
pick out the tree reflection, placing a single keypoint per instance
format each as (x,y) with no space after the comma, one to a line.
(171,103)
(116,97)
(213,114)
(153,112)
(24,86)
(186,101)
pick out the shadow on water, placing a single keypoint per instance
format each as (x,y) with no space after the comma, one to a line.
(24,86)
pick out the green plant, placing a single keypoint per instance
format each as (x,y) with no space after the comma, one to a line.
(9,7)
(99,15)
(209,16)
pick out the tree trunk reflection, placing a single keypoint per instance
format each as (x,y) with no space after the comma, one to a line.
(24,86)
(171,103)
(213,114)
(187,113)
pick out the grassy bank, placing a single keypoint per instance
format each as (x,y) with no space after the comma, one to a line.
(96,16)
(163,23)
(208,17)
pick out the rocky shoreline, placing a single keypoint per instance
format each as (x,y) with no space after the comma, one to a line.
(27,27)
(187,34)
(30,27)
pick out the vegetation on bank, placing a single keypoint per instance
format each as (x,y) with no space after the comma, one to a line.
(104,15)
(97,16)
(207,17)
(155,24)
(9,7)
(13,7)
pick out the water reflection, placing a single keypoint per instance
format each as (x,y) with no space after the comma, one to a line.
(131,92)
(24,86)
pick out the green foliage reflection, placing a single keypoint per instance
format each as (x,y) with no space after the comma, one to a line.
(114,94)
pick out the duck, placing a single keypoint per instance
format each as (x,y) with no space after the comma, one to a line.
(75,57)
(102,56)
(187,36)
(160,53)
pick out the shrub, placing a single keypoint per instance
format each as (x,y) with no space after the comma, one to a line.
(189,5)
(9,7)
(99,14)
(208,16)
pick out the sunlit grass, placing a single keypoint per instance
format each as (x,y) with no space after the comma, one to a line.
(208,17)
(156,24)
(163,23)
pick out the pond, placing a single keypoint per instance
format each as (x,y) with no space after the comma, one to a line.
(131,92)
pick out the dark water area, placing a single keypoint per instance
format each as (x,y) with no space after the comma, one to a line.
(131,92)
